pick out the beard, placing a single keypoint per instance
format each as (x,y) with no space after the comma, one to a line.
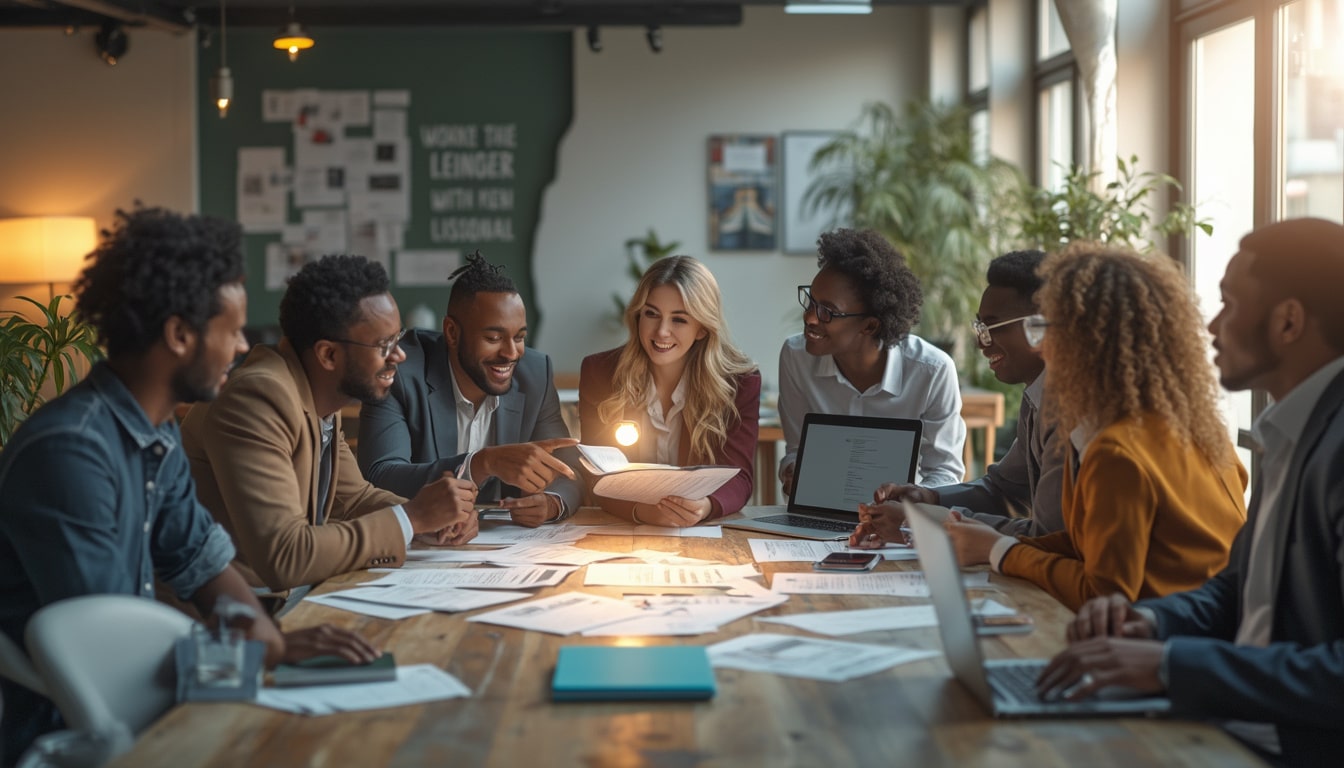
(476,372)
(363,389)
(1256,358)
(192,383)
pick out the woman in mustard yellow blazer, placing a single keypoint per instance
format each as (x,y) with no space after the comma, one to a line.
(1153,493)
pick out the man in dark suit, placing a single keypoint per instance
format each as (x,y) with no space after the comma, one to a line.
(475,402)
(1261,645)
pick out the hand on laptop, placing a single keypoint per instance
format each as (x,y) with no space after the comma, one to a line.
(971,538)
(1107,616)
(529,466)
(1086,667)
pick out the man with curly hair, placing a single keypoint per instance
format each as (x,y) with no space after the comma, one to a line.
(475,401)
(95,494)
(268,456)
(1261,644)
(856,355)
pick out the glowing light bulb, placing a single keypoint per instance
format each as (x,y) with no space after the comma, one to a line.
(627,433)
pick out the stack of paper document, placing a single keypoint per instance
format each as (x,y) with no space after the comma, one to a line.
(803,551)
(415,684)
(617,478)
(810,657)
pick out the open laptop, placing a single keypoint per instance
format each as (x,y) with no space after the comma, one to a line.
(841,461)
(1006,687)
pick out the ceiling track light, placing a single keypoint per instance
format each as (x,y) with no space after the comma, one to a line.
(292,38)
(111,42)
(594,39)
(655,37)
(222,83)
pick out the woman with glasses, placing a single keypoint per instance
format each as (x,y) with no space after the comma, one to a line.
(1153,493)
(693,397)
(856,355)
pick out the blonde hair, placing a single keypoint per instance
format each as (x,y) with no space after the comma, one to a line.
(1126,340)
(712,363)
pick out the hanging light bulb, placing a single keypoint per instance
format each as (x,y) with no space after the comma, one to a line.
(222,83)
(292,38)
(627,433)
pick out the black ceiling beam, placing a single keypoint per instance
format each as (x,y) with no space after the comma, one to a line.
(390,15)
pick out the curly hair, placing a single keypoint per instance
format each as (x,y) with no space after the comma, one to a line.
(151,265)
(1126,340)
(1018,271)
(322,300)
(889,290)
(478,276)
(712,364)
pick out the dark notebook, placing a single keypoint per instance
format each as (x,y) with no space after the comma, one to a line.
(606,673)
(334,670)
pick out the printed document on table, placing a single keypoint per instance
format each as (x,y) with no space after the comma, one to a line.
(415,684)
(481,578)
(550,554)
(874,619)
(618,478)
(517,534)
(810,657)
(561,614)
(901,584)
(442,599)
(802,551)
(685,614)
(428,556)
(692,532)
(391,612)
(620,575)
(659,557)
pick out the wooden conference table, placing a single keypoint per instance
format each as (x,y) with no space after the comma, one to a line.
(914,714)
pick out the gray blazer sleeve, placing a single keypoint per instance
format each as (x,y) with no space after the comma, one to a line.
(385,450)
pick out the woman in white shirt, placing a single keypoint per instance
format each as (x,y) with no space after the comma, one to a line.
(694,397)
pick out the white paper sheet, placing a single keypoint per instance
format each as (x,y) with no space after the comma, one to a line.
(480,578)
(685,614)
(389,123)
(442,599)
(517,534)
(549,554)
(873,619)
(659,557)
(561,614)
(263,186)
(692,532)
(392,98)
(415,684)
(803,551)
(649,486)
(901,584)
(810,657)
(427,268)
(394,613)
(621,575)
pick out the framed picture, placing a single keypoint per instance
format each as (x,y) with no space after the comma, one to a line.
(742,193)
(802,227)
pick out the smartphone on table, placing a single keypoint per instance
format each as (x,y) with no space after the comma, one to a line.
(848,561)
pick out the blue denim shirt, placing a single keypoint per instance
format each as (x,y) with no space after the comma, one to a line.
(96,499)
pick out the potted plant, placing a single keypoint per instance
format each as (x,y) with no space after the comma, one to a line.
(40,359)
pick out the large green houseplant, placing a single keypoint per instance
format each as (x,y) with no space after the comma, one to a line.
(40,359)
(914,177)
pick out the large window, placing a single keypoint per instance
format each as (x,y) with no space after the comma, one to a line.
(1310,53)
(977,78)
(1057,105)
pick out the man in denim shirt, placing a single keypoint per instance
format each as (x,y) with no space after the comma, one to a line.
(95,493)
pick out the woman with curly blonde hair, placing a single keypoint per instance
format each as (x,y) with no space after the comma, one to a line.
(694,397)
(1153,492)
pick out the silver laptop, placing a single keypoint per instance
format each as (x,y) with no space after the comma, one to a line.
(841,461)
(1006,687)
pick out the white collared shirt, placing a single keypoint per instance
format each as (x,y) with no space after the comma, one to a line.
(475,426)
(919,382)
(666,427)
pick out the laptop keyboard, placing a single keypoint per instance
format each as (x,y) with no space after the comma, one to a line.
(801,521)
(1016,682)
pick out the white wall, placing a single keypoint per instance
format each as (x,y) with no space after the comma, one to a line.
(1143,84)
(635,157)
(78,137)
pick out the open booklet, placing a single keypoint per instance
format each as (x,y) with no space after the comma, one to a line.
(617,478)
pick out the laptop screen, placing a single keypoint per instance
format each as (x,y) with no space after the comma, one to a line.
(843,459)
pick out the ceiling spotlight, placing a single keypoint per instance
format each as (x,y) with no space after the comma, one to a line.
(655,37)
(293,39)
(594,40)
(111,43)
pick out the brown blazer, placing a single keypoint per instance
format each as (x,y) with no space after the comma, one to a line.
(254,454)
(739,449)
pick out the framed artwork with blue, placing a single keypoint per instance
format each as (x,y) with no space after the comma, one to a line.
(742,192)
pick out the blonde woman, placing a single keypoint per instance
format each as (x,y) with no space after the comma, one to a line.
(1153,492)
(694,397)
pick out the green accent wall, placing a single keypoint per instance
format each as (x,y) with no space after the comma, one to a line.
(455,78)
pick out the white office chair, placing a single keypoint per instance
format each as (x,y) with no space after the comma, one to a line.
(107,662)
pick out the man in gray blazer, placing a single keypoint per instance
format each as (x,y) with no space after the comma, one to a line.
(473,401)
(1261,644)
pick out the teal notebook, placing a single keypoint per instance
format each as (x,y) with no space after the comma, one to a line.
(605,673)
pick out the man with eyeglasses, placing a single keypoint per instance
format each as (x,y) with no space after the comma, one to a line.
(475,401)
(856,355)
(268,456)
(1019,495)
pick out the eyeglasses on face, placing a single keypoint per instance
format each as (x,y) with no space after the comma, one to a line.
(824,313)
(384,347)
(982,331)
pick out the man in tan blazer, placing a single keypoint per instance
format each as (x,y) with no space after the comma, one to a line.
(268,456)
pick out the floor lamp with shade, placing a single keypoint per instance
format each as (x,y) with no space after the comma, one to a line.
(45,249)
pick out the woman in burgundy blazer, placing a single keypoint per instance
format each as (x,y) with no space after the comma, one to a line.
(677,366)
